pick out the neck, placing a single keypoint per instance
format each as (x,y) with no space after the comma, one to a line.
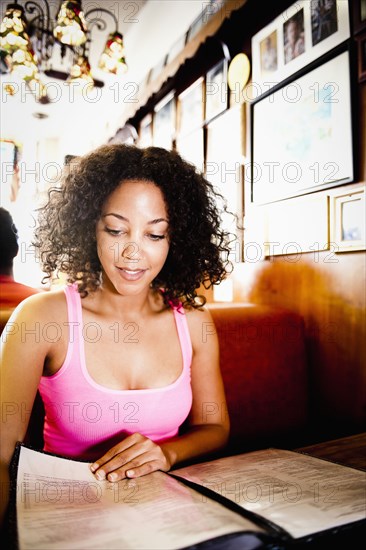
(7,271)
(133,307)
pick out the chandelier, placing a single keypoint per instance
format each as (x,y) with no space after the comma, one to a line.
(27,41)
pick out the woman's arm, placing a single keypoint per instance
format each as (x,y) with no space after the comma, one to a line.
(208,420)
(23,352)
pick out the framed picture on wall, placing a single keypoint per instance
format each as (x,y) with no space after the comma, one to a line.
(302,139)
(301,34)
(348,220)
(146,131)
(216,90)
(268,54)
(361,56)
(176,48)
(358,15)
(158,68)
(224,169)
(191,107)
(164,122)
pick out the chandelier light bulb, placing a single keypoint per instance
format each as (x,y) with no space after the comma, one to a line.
(13,28)
(71,27)
(27,46)
(80,72)
(112,59)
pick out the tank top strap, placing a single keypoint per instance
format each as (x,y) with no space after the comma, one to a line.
(73,303)
(183,334)
(75,324)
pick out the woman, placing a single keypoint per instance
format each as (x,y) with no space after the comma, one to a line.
(121,356)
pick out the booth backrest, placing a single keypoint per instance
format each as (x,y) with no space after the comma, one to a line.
(263,363)
(4,318)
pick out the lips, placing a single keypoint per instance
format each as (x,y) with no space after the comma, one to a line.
(131,274)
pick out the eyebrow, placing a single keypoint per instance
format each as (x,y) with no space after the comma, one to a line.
(120,217)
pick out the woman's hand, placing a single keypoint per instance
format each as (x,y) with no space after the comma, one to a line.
(135,456)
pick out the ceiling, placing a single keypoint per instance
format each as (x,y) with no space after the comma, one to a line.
(20,113)
(150,27)
(127,13)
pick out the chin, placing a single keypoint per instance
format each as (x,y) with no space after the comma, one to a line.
(131,289)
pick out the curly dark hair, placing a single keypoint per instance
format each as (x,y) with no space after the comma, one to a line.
(199,247)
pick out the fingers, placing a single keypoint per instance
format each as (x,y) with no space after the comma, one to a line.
(134,468)
(134,457)
(117,468)
(119,448)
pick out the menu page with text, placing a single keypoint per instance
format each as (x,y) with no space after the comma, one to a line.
(302,494)
(61,505)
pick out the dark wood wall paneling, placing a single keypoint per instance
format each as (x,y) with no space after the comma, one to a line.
(329,291)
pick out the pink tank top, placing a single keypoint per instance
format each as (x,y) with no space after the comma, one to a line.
(84,419)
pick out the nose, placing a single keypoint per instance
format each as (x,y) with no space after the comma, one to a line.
(130,252)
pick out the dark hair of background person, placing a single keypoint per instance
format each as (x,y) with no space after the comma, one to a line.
(8,242)
(68,159)
(199,246)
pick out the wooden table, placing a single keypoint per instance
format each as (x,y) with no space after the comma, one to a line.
(349,451)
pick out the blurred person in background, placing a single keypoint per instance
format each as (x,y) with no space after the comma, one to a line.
(11,292)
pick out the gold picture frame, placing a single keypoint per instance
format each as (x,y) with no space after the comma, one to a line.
(348,225)
(191,108)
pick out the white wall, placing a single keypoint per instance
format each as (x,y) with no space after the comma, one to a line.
(160,24)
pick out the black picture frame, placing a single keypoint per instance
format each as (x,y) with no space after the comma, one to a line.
(217,96)
(165,122)
(347,220)
(358,8)
(305,144)
(361,56)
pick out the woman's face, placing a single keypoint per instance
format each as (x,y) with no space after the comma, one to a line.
(292,32)
(132,236)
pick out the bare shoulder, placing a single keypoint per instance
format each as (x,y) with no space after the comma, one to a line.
(37,326)
(201,326)
(197,316)
(45,307)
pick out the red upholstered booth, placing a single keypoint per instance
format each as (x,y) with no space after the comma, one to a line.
(264,368)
